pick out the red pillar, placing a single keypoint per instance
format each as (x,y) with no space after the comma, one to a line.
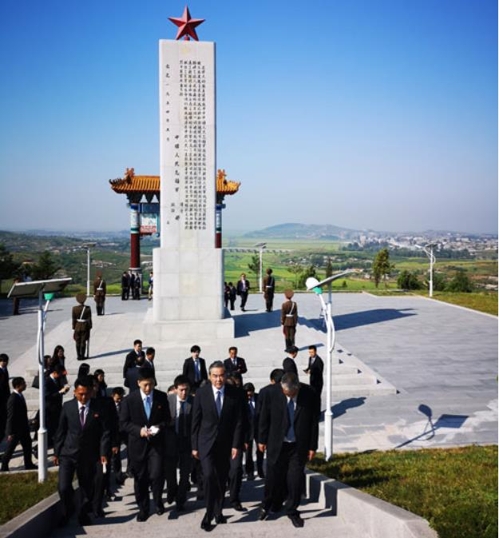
(218,226)
(134,238)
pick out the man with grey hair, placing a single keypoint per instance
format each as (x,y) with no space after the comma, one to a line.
(288,431)
(216,438)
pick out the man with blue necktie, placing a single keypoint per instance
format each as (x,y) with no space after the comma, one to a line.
(288,431)
(217,437)
(144,416)
(195,368)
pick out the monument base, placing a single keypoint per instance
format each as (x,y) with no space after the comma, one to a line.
(190,331)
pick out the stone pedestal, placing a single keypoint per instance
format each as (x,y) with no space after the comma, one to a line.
(188,269)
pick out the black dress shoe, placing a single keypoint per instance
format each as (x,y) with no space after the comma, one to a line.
(99,513)
(262,514)
(170,498)
(220,519)
(296,520)
(206,523)
(160,510)
(238,507)
(84,520)
(31,467)
(142,516)
(180,508)
(250,477)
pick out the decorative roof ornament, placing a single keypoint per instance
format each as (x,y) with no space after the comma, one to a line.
(129,174)
(186,25)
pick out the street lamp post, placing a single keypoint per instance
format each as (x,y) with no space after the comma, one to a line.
(428,250)
(261,246)
(43,289)
(87,246)
(314,285)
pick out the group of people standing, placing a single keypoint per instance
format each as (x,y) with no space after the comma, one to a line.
(205,429)
(131,285)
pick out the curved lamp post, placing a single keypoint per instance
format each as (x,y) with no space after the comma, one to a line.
(44,289)
(428,250)
(317,287)
(261,246)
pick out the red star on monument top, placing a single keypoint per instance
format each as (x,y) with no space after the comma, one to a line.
(186,25)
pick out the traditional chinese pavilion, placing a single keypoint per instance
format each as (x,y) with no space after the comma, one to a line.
(140,188)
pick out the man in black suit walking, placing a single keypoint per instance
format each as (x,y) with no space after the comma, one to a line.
(242,288)
(17,427)
(289,363)
(178,443)
(81,443)
(216,437)
(288,431)
(144,416)
(195,368)
(4,392)
(54,393)
(234,363)
(315,370)
(251,433)
(131,357)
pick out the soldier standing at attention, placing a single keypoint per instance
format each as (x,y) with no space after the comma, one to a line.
(268,290)
(82,325)
(99,293)
(289,319)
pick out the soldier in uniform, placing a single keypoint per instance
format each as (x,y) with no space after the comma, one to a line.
(82,325)
(289,319)
(99,293)
(268,290)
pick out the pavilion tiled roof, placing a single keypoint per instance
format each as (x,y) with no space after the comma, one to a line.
(132,183)
(135,184)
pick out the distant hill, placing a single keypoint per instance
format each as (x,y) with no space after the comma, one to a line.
(304,231)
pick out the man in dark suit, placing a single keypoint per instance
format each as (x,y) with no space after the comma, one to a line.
(4,392)
(144,416)
(289,363)
(133,374)
(54,393)
(195,368)
(234,363)
(288,430)
(242,289)
(132,356)
(17,427)
(251,433)
(216,438)
(315,370)
(178,443)
(81,443)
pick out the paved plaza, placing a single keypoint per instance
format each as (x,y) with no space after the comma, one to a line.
(440,360)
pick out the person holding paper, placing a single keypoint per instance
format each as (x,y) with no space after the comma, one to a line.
(144,416)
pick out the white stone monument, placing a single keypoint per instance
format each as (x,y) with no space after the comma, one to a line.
(188,269)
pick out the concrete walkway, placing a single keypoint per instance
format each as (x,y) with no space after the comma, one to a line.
(442,361)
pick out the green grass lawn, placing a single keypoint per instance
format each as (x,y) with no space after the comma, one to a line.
(454,489)
(481,301)
(22,491)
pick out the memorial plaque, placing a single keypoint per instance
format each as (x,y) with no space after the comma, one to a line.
(188,269)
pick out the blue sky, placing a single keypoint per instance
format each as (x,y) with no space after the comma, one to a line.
(378,114)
